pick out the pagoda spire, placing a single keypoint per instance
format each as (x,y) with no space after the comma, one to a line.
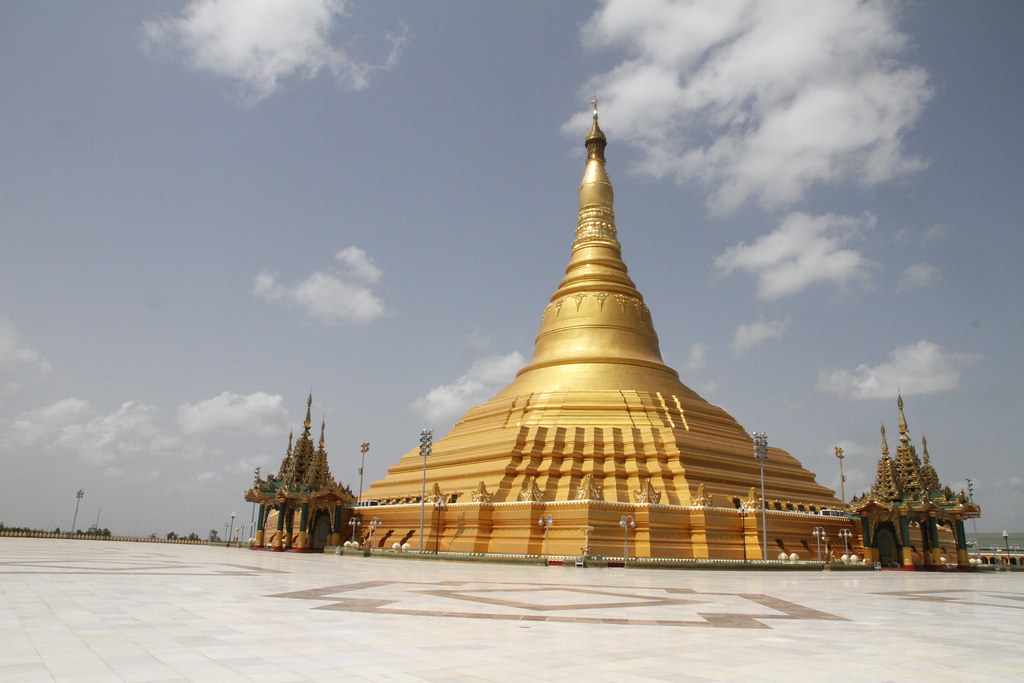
(307,422)
(599,303)
(885,445)
(323,425)
(904,436)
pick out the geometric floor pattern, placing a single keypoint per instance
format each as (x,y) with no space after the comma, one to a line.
(112,611)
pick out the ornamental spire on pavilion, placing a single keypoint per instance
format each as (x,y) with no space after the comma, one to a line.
(886,486)
(303,485)
(908,494)
(596,426)
(908,466)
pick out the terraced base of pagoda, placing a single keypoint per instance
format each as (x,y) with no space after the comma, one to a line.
(665,531)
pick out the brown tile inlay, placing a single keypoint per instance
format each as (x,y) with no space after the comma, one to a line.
(659,605)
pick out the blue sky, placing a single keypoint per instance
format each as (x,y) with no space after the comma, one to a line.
(210,209)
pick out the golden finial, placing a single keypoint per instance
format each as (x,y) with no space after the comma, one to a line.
(885,446)
(308,421)
(595,141)
(904,438)
(291,435)
(323,424)
(924,447)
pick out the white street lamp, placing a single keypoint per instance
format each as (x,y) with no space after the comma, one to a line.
(374,523)
(627,523)
(819,535)
(546,521)
(354,523)
(438,509)
(845,535)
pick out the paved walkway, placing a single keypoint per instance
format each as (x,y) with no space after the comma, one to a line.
(107,611)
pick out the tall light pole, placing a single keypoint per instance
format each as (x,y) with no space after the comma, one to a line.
(362,463)
(232,529)
(252,517)
(546,521)
(761,455)
(1006,540)
(842,477)
(819,535)
(627,523)
(426,446)
(438,509)
(78,501)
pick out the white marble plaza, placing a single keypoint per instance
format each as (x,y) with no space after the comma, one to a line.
(108,611)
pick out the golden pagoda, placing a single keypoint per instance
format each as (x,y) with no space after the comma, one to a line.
(597,432)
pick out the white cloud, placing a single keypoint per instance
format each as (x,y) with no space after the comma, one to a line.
(484,377)
(758,100)
(750,335)
(917,276)
(259,414)
(72,427)
(359,264)
(331,297)
(17,360)
(917,369)
(259,43)
(697,359)
(802,251)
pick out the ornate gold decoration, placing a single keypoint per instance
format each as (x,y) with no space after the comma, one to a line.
(646,493)
(588,489)
(752,502)
(702,499)
(481,495)
(435,494)
(530,492)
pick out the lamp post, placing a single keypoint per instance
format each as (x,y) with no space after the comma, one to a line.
(743,531)
(231,530)
(1006,540)
(761,455)
(362,449)
(354,523)
(78,501)
(252,517)
(627,523)
(546,521)
(586,529)
(819,535)
(845,535)
(438,509)
(374,523)
(842,476)
(426,446)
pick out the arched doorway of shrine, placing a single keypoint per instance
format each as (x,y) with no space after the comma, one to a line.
(321,529)
(887,545)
